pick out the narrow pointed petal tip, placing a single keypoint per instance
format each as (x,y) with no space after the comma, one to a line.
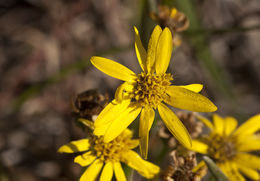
(113,68)
(75,146)
(152,46)
(140,51)
(92,171)
(146,121)
(219,124)
(193,87)
(199,146)
(143,167)
(182,98)
(175,126)
(249,127)
(163,51)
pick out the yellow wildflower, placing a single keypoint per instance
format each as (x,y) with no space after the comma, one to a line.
(145,92)
(98,154)
(228,145)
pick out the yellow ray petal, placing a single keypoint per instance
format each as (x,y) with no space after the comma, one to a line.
(92,171)
(199,166)
(75,146)
(225,169)
(218,124)
(185,99)
(249,143)
(174,125)
(133,143)
(113,68)
(86,122)
(235,173)
(249,127)
(199,146)
(145,168)
(248,160)
(193,87)
(140,51)
(109,111)
(113,106)
(121,122)
(108,115)
(107,172)
(152,46)
(85,159)
(205,121)
(120,91)
(230,125)
(251,173)
(146,121)
(119,172)
(101,130)
(163,51)
(231,171)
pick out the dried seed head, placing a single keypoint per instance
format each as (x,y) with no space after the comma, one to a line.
(172,18)
(182,162)
(88,104)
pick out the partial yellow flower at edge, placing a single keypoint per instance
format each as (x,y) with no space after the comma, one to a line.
(228,146)
(97,155)
(147,91)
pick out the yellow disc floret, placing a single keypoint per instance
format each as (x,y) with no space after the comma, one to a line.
(223,148)
(113,150)
(150,89)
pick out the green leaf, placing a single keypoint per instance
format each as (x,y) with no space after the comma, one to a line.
(215,171)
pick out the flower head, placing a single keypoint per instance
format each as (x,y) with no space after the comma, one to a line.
(181,166)
(228,146)
(170,17)
(145,92)
(98,154)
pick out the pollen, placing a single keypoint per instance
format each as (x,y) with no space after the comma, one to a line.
(113,150)
(222,148)
(150,89)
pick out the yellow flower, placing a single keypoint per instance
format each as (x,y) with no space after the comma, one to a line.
(98,154)
(145,92)
(228,146)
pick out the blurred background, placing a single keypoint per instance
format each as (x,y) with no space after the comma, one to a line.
(45,48)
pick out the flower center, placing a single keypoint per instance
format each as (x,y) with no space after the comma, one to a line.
(113,150)
(150,89)
(222,148)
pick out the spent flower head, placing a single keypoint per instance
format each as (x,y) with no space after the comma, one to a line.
(181,167)
(175,20)
(170,17)
(145,92)
(228,145)
(97,155)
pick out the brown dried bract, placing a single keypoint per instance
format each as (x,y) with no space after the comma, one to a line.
(182,163)
(89,104)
